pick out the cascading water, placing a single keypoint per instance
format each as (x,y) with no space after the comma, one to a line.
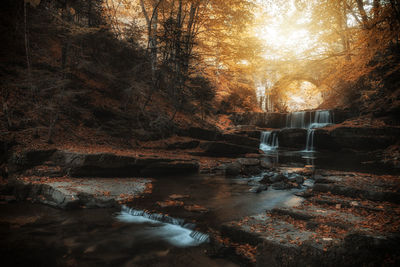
(322,118)
(310,140)
(269,141)
(175,231)
(296,120)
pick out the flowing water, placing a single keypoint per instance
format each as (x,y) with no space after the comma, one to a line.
(144,234)
(150,232)
(309,120)
(269,141)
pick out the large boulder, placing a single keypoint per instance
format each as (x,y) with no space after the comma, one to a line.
(226,149)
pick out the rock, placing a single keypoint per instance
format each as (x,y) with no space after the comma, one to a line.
(177,196)
(67,193)
(271,177)
(251,133)
(250,170)
(248,161)
(233,168)
(364,138)
(29,159)
(201,133)
(260,119)
(184,145)
(252,155)
(73,164)
(170,203)
(281,185)
(266,164)
(195,208)
(259,188)
(296,178)
(277,177)
(292,138)
(226,149)
(241,140)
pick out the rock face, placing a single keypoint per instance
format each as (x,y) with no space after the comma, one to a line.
(72,193)
(241,140)
(356,138)
(201,133)
(260,119)
(102,164)
(226,149)
(233,169)
(278,120)
(184,145)
(292,138)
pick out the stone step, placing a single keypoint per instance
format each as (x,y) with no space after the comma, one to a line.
(75,164)
(348,191)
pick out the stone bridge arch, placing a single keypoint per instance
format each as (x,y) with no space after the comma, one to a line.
(277,99)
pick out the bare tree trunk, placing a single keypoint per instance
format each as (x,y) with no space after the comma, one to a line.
(363,14)
(28,60)
(152,24)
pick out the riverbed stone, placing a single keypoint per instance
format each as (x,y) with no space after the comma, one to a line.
(248,161)
(233,168)
(258,188)
(281,185)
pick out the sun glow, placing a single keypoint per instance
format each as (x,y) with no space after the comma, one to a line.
(284,33)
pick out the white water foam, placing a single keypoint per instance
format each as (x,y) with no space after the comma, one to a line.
(174,231)
(269,141)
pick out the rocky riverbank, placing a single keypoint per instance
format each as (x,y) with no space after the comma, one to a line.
(347,219)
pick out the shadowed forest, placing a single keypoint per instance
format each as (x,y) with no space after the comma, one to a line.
(200,132)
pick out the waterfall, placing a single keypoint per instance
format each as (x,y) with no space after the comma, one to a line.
(269,141)
(322,118)
(300,119)
(296,120)
(182,228)
(310,140)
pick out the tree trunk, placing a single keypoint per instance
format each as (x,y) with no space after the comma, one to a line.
(363,14)
(28,60)
(152,24)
